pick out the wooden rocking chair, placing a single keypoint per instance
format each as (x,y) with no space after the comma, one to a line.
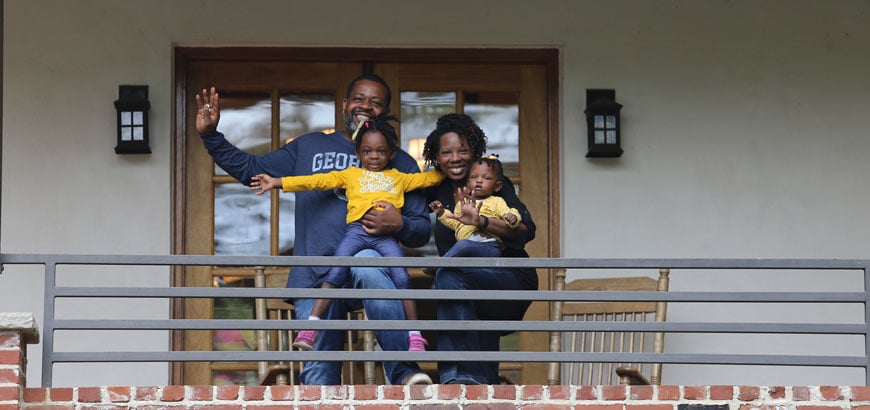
(610,341)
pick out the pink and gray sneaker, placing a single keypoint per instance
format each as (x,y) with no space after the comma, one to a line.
(417,343)
(305,339)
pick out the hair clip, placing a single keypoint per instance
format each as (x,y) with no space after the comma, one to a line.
(356,131)
(490,156)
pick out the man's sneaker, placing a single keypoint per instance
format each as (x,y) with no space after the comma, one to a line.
(416,343)
(417,378)
(305,339)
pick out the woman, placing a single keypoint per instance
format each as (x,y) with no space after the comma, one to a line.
(455,143)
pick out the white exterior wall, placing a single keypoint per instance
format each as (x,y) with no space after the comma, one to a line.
(745,130)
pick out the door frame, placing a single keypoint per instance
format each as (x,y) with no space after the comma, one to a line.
(184,56)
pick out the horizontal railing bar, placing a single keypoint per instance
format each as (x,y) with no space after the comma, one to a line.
(56,262)
(437,294)
(544,263)
(337,356)
(531,326)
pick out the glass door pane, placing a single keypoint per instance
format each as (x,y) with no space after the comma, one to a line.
(498,115)
(243,221)
(241,227)
(420,111)
(298,114)
(241,218)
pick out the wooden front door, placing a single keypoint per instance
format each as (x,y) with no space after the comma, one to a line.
(270,95)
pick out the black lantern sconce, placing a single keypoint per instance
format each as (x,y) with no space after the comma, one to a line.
(602,124)
(132,107)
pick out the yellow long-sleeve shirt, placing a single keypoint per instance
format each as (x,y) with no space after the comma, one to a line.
(363,187)
(492,207)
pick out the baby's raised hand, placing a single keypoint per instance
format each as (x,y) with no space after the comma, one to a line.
(511,219)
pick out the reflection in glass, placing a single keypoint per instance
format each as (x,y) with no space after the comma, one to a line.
(420,111)
(242,218)
(497,114)
(237,378)
(234,308)
(241,221)
(286,222)
(302,113)
(246,122)
(299,114)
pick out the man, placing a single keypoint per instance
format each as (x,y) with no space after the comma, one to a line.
(320,217)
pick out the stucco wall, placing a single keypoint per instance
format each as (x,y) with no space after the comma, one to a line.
(745,128)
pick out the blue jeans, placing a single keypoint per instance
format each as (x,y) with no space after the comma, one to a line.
(329,373)
(470,310)
(474,249)
(355,240)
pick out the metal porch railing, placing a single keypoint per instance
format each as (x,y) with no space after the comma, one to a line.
(54,292)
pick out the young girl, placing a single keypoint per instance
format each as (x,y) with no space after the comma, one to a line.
(376,144)
(484,179)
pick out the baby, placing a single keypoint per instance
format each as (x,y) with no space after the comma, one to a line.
(484,179)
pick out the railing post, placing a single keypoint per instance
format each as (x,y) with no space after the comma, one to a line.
(48,321)
(866,327)
(261,314)
(661,316)
(554,369)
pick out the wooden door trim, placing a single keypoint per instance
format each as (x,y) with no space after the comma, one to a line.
(185,55)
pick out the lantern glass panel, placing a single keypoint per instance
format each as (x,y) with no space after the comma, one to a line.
(126,134)
(611,137)
(126,118)
(138,134)
(599,121)
(610,121)
(599,137)
(137,118)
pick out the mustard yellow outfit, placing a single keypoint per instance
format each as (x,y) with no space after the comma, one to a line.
(363,187)
(492,207)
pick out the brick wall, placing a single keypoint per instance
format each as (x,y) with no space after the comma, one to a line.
(13,362)
(448,397)
(13,395)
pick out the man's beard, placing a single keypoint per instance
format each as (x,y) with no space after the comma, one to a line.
(349,125)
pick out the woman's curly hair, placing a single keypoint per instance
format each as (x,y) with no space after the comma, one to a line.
(462,125)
